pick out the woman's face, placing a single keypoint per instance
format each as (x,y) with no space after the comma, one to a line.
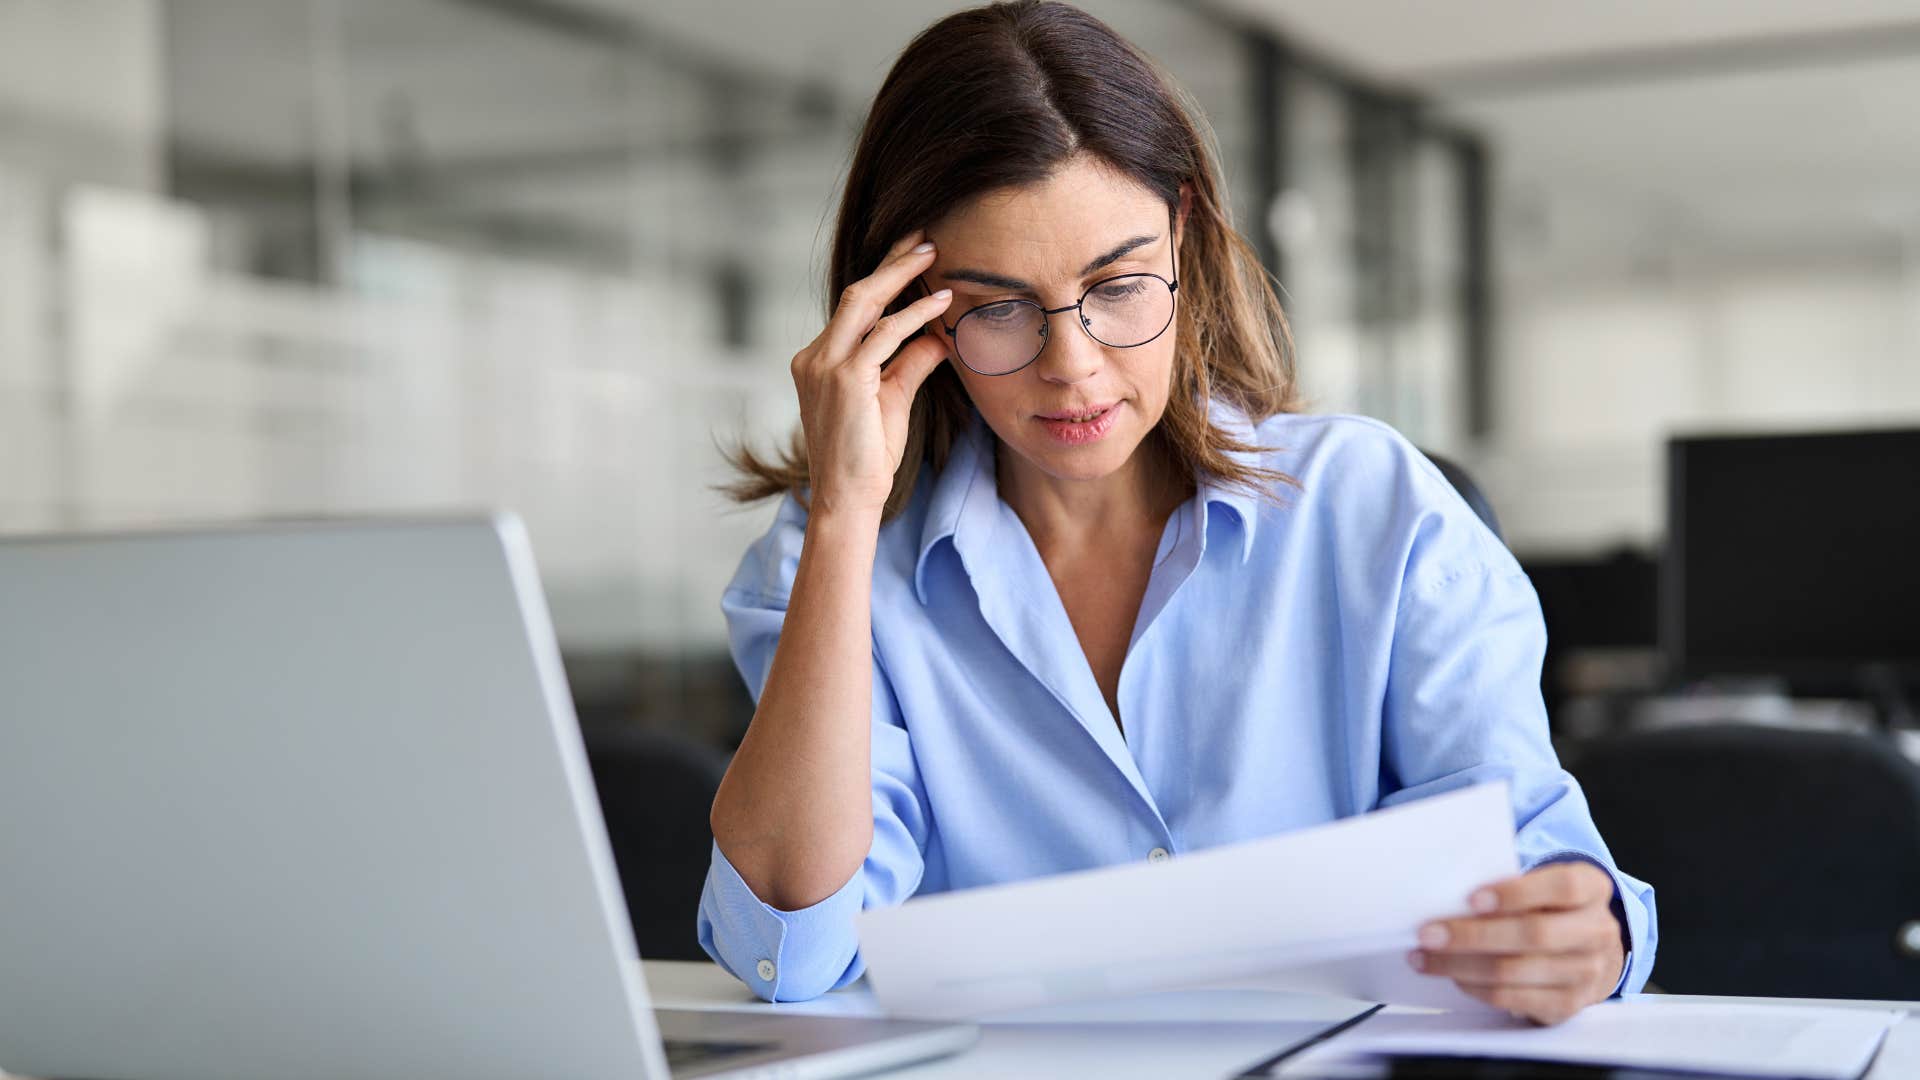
(1047,243)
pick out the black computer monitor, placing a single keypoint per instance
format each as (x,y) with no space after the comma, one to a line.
(1795,556)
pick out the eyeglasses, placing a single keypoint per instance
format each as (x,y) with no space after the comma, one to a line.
(1122,312)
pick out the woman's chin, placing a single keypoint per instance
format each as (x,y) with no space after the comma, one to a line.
(1079,463)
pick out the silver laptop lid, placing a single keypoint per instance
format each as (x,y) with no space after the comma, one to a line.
(301,801)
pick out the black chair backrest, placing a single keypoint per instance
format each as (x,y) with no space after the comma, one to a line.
(656,791)
(1784,862)
(1470,491)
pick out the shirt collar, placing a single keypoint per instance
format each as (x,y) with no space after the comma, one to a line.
(964,504)
(957,496)
(1245,505)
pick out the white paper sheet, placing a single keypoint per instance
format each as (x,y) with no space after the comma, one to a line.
(1331,909)
(1730,1039)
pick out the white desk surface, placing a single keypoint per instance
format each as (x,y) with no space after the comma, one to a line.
(1210,1034)
(1203,1034)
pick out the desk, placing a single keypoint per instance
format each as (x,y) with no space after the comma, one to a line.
(1208,1034)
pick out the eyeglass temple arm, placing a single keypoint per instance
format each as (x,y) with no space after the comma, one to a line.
(1173,248)
(941,319)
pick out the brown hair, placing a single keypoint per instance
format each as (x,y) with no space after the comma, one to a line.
(1000,96)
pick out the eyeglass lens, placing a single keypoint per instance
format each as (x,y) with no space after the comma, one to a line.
(1122,312)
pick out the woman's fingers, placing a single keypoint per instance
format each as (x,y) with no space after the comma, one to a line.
(863,302)
(1543,931)
(852,409)
(911,366)
(1553,908)
(1544,944)
(1542,1005)
(1561,886)
(889,332)
(1574,969)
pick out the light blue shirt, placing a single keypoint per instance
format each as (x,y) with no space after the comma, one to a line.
(1366,643)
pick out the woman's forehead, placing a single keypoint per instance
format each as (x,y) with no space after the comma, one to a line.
(1076,195)
(1038,236)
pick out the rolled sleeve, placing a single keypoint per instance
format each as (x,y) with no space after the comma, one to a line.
(780,955)
(794,955)
(1463,705)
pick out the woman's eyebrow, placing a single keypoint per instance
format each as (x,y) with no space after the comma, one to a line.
(1000,281)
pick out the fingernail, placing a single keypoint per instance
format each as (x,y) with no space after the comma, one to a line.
(1433,936)
(923,248)
(1417,960)
(1484,900)
(942,294)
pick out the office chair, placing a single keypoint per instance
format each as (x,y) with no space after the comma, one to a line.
(1784,862)
(656,790)
(1468,490)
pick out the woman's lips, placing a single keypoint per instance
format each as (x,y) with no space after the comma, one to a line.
(1088,412)
(1080,432)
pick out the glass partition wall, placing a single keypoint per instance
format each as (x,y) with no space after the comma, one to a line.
(315,257)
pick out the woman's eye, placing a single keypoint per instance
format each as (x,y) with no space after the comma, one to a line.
(1006,312)
(1120,290)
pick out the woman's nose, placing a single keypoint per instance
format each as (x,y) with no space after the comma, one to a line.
(1070,354)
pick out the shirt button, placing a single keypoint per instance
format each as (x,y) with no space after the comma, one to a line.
(765,969)
(1158,854)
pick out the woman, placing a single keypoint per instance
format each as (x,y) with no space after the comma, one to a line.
(1042,596)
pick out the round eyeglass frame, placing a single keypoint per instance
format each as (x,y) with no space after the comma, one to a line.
(1047,314)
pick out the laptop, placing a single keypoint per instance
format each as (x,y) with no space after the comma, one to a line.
(310,800)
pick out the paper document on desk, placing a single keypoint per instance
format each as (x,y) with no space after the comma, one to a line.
(1732,1039)
(1331,909)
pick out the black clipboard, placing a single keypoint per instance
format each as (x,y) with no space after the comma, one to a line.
(1265,1068)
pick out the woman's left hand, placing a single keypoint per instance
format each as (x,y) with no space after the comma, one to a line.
(1542,946)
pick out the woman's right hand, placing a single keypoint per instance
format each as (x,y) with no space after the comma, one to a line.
(852,409)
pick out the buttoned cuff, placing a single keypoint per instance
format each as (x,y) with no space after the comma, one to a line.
(1623,912)
(779,955)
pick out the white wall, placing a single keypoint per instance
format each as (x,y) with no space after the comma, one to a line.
(1725,244)
(80,89)
(1597,372)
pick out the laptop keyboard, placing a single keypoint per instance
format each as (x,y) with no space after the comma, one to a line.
(684,1052)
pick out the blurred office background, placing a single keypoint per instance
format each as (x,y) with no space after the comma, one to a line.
(296,257)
